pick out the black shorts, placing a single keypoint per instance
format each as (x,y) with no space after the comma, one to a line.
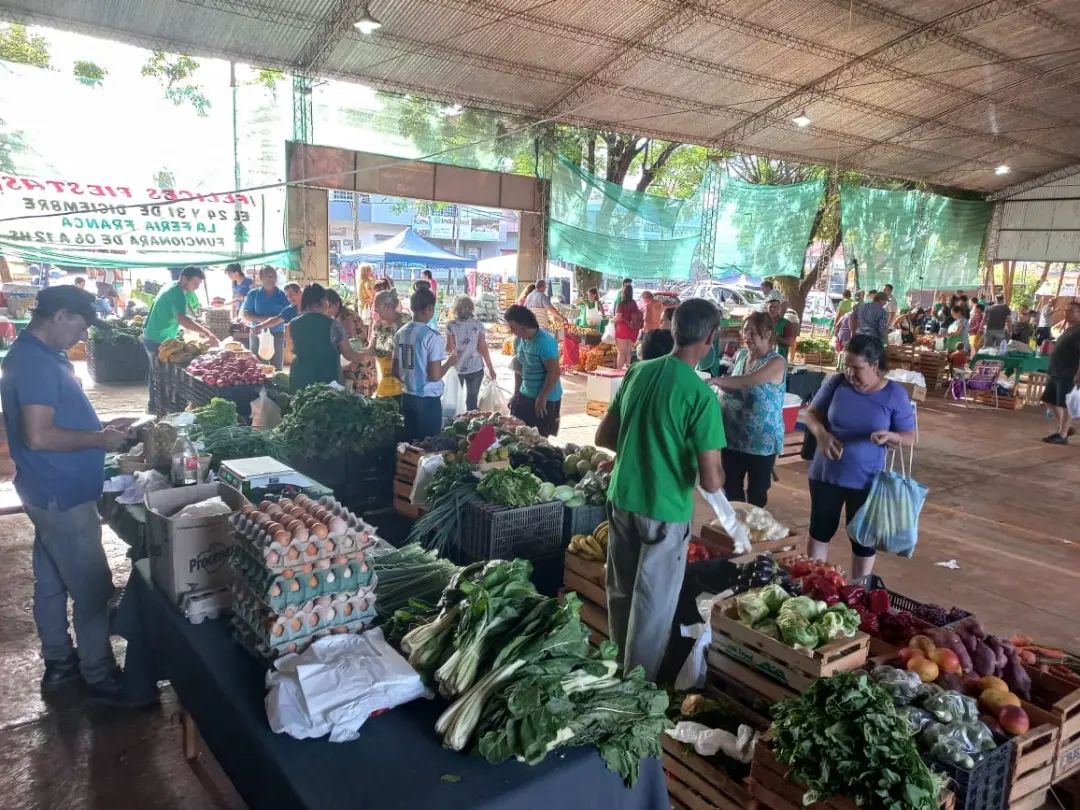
(524,408)
(1057,388)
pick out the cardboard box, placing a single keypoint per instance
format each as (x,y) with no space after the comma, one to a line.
(601,385)
(190,553)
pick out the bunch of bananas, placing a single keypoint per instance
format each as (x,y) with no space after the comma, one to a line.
(180,351)
(591,546)
(582,331)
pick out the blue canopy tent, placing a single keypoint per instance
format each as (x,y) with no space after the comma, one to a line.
(410,248)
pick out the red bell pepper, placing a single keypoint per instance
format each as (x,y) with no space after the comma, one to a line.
(878,601)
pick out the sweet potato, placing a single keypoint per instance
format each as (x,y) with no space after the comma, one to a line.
(1017,678)
(1000,657)
(983,659)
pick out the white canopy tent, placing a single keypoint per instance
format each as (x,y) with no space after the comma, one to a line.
(506,266)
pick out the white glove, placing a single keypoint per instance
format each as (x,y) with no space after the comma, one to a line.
(727,519)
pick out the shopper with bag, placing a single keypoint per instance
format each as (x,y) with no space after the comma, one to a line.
(467,337)
(854,417)
(1063,374)
(537,399)
(665,426)
(421,362)
(319,342)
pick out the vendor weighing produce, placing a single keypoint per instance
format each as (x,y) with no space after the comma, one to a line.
(665,425)
(174,307)
(261,304)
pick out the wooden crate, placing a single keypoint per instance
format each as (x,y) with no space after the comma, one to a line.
(1031,771)
(1002,403)
(721,544)
(697,782)
(1062,700)
(592,571)
(827,359)
(405,468)
(596,408)
(771,789)
(746,685)
(782,663)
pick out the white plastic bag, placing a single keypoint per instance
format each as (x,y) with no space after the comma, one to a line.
(492,399)
(1072,402)
(265,413)
(593,316)
(692,673)
(709,741)
(727,519)
(266,345)
(453,398)
(609,333)
(424,470)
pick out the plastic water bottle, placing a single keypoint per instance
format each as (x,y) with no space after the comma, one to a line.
(1004,347)
(185,461)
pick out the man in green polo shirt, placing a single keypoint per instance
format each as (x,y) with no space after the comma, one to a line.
(666,429)
(174,307)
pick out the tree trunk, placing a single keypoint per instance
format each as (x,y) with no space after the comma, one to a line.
(584,278)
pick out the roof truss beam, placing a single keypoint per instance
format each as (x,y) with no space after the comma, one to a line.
(328,32)
(1035,182)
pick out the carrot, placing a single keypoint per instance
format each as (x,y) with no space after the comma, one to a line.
(1027,656)
(1047,652)
(1020,641)
(1064,673)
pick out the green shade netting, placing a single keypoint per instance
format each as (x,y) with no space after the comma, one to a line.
(763,230)
(618,231)
(913,240)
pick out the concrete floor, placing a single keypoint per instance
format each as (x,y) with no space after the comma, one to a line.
(1001,503)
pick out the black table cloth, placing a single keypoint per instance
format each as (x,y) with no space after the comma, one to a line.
(398,761)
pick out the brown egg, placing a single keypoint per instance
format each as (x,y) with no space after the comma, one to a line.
(296,624)
(275,590)
(300,532)
(312,550)
(320,530)
(322,513)
(281,536)
(285,504)
(272,527)
(313,619)
(246,509)
(307,568)
(298,512)
(287,574)
(309,521)
(302,500)
(261,518)
(279,630)
(290,523)
(337,525)
(265,505)
(292,555)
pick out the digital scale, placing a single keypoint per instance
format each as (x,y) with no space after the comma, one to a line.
(255,477)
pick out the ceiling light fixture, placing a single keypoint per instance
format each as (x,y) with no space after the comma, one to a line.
(801,120)
(367,24)
(1002,169)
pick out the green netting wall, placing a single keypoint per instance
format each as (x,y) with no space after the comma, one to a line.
(763,230)
(913,240)
(618,231)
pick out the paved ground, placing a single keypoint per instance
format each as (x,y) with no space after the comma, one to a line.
(1002,504)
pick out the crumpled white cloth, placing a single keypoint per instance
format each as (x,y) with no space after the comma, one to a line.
(336,684)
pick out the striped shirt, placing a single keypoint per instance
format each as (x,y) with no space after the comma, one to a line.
(871,318)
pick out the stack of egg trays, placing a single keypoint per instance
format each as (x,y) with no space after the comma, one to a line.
(246,638)
(275,557)
(293,587)
(285,631)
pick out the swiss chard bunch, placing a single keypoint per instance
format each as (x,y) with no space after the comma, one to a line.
(325,421)
(844,737)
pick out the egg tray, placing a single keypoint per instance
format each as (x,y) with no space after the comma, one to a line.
(324,613)
(279,556)
(266,653)
(343,572)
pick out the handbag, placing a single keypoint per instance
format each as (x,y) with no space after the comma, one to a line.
(889,520)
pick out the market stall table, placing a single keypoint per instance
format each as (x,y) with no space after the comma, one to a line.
(1015,362)
(397,762)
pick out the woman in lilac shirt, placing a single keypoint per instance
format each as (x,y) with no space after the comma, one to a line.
(854,417)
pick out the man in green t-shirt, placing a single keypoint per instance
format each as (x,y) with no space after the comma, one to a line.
(174,307)
(666,429)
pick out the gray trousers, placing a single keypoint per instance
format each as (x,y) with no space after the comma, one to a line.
(645,566)
(993,337)
(70,561)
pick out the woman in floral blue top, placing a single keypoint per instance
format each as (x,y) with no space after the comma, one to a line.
(753,405)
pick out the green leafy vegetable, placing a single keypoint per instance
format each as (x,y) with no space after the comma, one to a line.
(844,737)
(446,478)
(218,412)
(241,441)
(511,486)
(325,422)
(839,621)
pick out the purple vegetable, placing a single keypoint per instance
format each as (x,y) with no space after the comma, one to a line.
(1000,659)
(970,643)
(947,639)
(983,659)
(1016,677)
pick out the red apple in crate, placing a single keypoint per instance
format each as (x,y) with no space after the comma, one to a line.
(1014,720)
(907,653)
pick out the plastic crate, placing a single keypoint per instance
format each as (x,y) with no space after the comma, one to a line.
(116,362)
(984,787)
(900,602)
(582,520)
(495,532)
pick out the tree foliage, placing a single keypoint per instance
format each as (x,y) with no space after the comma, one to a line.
(11,144)
(18,45)
(176,72)
(89,72)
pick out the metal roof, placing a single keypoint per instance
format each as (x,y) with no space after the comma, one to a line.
(935,90)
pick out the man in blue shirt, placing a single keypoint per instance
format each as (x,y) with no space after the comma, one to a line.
(263,303)
(293,293)
(420,362)
(537,385)
(58,445)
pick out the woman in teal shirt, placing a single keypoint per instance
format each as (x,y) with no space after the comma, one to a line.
(753,408)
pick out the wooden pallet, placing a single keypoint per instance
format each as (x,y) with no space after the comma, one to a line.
(696,782)
(986,398)
(595,407)
(721,544)
(771,789)
(1031,771)
(773,658)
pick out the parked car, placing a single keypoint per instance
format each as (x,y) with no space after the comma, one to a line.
(669,298)
(735,301)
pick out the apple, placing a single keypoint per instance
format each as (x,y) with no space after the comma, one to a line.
(924,643)
(1014,720)
(926,669)
(990,682)
(907,653)
(992,700)
(947,660)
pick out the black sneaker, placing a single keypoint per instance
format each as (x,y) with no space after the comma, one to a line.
(1056,438)
(61,674)
(1072,432)
(111,692)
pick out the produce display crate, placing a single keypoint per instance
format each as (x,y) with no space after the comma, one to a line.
(745,684)
(934,367)
(596,408)
(984,787)
(1062,700)
(198,393)
(721,544)
(903,356)
(772,790)
(586,578)
(77,352)
(1003,403)
(773,658)
(405,468)
(818,358)
(116,362)
(582,520)
(1031,771)
(496,532)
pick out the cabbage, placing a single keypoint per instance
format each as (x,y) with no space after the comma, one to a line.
(839,621)
(577,500)
(547,492)
(774,596)
(564,493)
(795,629)
(751,607)
(804,606)
(768,628)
